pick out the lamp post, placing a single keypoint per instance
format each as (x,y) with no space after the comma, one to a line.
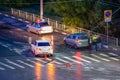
(41,9)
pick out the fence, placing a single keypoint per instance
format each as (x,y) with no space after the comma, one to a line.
(60,27)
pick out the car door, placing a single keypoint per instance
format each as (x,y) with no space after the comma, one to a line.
(69,39)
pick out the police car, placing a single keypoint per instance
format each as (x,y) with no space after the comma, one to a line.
(77,40)
(42,47)
(39,27)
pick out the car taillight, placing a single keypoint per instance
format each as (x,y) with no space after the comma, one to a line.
(78,41)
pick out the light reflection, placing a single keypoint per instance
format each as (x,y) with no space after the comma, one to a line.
(38,71)
(51,71)
(78,66)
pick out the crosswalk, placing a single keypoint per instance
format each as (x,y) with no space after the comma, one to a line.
(60,60)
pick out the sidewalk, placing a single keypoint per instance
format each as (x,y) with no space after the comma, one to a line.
(113,49)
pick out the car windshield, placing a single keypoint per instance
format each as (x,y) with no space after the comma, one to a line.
(43,24)
(43,44)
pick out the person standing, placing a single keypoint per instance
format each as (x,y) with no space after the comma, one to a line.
(94,42)
(99,43)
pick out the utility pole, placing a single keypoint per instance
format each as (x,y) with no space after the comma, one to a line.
(41,9)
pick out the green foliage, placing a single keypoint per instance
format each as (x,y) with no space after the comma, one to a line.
(79,13)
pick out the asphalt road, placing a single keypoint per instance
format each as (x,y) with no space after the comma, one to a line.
(18,63)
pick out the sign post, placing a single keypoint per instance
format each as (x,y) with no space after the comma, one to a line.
(107,17)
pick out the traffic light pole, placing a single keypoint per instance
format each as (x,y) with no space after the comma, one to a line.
(107,33)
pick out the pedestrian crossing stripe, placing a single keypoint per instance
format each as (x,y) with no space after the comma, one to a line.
(31,62)
(11,62)
(35,62)
(100,57)
(91,58)
(2,68)
(74,60)
(81,59)
(6,65)
(109,57)
(25,63)
(61,60)
(54,61)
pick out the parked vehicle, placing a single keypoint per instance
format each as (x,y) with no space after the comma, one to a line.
(39,27)
(42,47)
(77,40)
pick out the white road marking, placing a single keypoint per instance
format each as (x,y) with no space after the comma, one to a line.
(109,57)
(6,15)
(40,60)
(113,54)
(90,58)
(100,57)
(11,62)
(35,62)
(54,61)
(2,68)
(6,65)
(25,63)
(62,60)
(73,60)
(13,17)
(81,59)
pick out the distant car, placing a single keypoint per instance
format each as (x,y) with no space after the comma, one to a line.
(39,28)
(42,47)
(77,40)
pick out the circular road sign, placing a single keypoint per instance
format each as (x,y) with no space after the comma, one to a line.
(107,13)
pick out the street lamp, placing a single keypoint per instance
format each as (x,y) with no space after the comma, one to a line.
(41,9)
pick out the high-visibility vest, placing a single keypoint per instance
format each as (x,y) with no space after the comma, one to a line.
(94,38)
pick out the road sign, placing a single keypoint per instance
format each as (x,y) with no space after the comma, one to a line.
(107,15)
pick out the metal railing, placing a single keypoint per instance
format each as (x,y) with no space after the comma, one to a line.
(60,27)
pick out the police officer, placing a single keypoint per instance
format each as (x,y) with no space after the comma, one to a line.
(94,42)
(99,43)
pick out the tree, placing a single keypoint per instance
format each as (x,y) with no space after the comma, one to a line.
(79,13)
